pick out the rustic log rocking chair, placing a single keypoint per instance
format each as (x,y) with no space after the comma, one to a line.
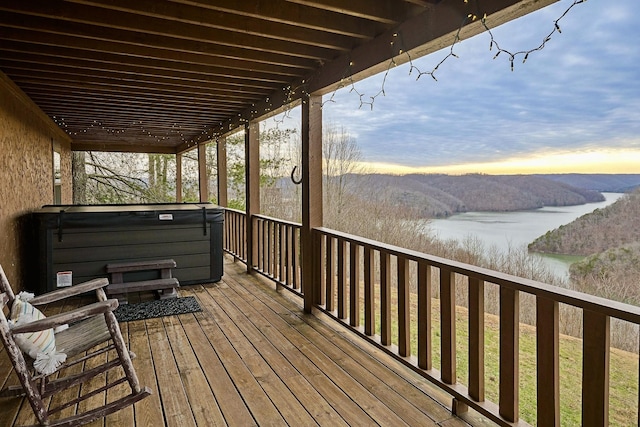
(92,329)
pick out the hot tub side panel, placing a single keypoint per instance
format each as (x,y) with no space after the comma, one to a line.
(85,241)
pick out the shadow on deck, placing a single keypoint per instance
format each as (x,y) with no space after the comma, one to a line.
(251,357)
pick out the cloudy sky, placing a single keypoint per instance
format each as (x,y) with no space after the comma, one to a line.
(574,106)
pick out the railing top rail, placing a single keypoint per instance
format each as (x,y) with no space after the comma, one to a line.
(593,303)
(279,221)
(235,211)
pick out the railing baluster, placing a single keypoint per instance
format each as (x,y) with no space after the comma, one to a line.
(281,252)
(236,234)
(294,258)
(319,270)
(595,369)
(548,359)
(476,339)
(274,249)
(269,247)
(354,285)
(342,289)
(448,325)
(369,308)
(288,258)
(232,233)
(424,316)
(330,287)
(385,298)
(243,237)
(509,354)
(404,313)
(259,241)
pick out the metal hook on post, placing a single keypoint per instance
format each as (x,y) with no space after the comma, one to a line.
(293,179)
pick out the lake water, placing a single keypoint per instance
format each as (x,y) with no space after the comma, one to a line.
(514,229)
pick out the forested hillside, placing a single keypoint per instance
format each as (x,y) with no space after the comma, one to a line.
(615,226)
(612,183)
(436,195)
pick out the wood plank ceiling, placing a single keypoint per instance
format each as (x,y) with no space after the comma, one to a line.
(162,76)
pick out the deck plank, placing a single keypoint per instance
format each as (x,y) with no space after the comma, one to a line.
(395,411)
(148,411)
(125,416)
(226,395)
(174,400)
(304,392)
(261,407)
(201,400)
(407,383)
(252,354)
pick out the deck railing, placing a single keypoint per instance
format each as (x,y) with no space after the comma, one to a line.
(235,233)
(352,280)
(277,247)
(369,287)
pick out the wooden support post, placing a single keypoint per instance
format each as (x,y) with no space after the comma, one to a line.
(342,278)
(252,182)
(509,395)
(311,193)
(385,298)
(404,307)
(476,339)
(221,159)
(369,297)
(548,356)
(595,369)
(424,316)
(448,325)
(203,176)
(354,285)
(330,275)
(319,244)
(179,178)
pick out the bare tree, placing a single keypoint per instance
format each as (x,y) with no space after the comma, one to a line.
(79,177)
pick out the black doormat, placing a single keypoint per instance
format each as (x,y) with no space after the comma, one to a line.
(156,308)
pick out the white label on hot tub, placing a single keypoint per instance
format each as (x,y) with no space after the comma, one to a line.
(64,279)
(165,217)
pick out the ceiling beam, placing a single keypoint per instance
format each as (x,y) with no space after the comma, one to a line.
(381,11)
(51,88)
(115,47)
(86,36)
(231,24)
(123,74)
(294,14)
(76,19)
(18,49)
(80,145)
(44,63)
(27,76)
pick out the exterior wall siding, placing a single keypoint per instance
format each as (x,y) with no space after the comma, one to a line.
(27,136)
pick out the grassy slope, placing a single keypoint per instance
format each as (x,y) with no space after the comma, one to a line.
(623,398)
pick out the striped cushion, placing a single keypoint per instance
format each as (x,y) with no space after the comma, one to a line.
(31,343)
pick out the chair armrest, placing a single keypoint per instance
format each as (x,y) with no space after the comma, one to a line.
(67,317)
(79,289)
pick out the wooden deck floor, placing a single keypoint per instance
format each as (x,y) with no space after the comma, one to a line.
(251,357)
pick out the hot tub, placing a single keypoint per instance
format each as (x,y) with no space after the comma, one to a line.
(75,243)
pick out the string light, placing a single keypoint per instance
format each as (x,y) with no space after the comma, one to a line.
(397,36)
(525,53)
